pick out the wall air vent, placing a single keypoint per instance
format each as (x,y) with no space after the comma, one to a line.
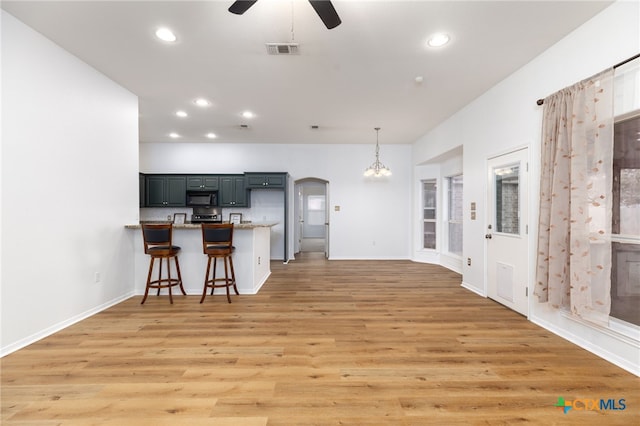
(282,48)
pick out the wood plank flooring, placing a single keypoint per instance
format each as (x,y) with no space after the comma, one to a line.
(323,343)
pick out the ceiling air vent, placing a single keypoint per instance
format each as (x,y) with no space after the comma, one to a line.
(282,48)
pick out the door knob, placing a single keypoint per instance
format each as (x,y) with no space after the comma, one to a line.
(488,236)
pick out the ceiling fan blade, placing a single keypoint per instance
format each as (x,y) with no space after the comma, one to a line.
(326,12)
(241,6)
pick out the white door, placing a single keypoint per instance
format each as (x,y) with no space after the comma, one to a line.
(507,239)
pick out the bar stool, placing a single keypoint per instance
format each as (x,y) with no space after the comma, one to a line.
(158,244)
(217,243)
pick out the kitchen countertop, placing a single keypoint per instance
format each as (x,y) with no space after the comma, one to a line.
(189,225)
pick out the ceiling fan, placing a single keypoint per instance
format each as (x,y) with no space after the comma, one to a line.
(323,8)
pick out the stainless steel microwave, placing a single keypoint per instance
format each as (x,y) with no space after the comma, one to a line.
(202,198)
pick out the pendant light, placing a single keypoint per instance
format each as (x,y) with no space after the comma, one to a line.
(377,169)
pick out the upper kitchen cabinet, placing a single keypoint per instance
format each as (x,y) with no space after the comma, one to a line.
(141,189)
(266,180)
(233,191)
(165,191)
(202,182)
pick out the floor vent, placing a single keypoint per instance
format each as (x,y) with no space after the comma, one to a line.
(282,48)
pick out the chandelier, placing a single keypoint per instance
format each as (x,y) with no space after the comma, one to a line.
(377,169)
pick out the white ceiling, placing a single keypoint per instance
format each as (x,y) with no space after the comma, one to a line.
(347,80)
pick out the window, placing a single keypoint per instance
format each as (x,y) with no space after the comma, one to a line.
(625,259)
(454,210)
(316,210)
(625,221)
(429,197)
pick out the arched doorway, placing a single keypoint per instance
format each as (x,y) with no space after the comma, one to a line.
(311,230)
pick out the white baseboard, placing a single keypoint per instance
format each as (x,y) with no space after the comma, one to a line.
(6,350)
(473,289)
(631,367)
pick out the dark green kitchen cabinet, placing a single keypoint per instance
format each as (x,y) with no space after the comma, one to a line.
(266,180)
(141,189)
(202,182)
(165,191)
(233,191)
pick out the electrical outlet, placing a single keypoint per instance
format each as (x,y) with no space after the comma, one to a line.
(468,261)
(97,277)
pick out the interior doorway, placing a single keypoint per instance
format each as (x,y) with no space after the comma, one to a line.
(312,216)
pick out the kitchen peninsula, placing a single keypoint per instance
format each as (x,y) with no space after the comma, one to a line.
(251,258)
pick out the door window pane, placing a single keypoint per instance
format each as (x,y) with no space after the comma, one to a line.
(507,193)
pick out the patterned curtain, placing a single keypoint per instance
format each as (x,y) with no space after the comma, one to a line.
(574,233)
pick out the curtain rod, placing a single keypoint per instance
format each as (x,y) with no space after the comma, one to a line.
(541,101)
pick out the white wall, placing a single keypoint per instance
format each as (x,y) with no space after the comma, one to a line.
(507,117)
(374,221)
(69,185)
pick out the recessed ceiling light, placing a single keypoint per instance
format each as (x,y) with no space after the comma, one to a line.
(248,114)
(181,114)
(438,40)
(174,135)
(165,34)
(211,135)
(202,102)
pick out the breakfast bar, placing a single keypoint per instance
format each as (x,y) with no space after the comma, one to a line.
(251,257)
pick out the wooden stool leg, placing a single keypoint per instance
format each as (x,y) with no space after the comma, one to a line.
(215,263)
(233,275)
(159,277)
(169,284)
(146,290)
(226,277)
(206,279)
(179,276)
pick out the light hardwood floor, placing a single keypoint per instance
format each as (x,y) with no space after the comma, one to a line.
(323,343)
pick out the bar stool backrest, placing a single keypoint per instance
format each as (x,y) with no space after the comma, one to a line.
(217,236)
(157,236)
